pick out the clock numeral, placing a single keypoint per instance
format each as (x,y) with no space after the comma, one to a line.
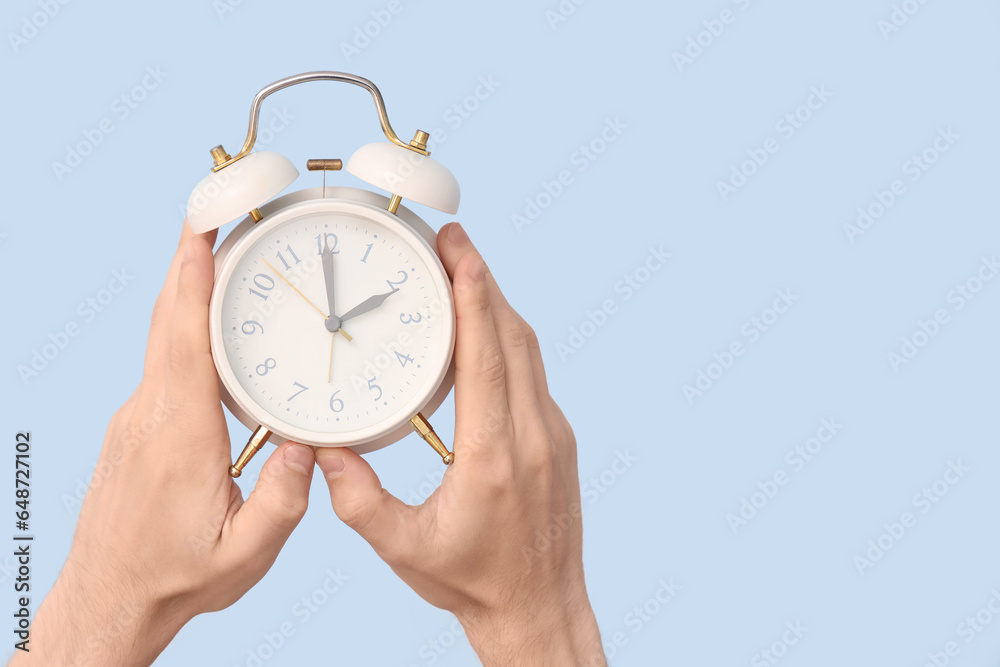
(392,284)
(291,252)
(302,389)
(365,258)
(259,281)
(373,386)
(403,359)
(336,404)
(410,319)
(268,364)
(325,238)
(253,327)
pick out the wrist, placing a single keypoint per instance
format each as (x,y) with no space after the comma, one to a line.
(88,620)
(556,632)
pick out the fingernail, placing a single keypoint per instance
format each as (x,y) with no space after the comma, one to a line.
(457,235)
(299,458)
(333,466)
(477,268)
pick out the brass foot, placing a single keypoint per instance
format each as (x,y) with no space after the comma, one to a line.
(257,441)
(426,431)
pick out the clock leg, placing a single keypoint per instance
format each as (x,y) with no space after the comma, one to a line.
(426,431)
(257,441)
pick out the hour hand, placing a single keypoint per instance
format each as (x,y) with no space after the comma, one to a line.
(371,303)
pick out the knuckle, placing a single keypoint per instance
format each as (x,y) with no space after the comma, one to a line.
(491,365)
(514,337)
(531,338)
(355,512)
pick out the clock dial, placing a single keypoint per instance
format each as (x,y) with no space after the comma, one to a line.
(370,366)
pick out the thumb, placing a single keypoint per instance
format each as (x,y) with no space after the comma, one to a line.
(382,519)
(276,505)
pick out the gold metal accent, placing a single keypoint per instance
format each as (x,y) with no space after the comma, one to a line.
(219,155)
(257,440)
(256,215)
(278,273)
(324,165)
(426,431)
(306,77)
(419,140)
(394,203)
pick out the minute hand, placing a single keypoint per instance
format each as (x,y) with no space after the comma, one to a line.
(371,303)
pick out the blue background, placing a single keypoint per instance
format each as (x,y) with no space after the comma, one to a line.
(662,518)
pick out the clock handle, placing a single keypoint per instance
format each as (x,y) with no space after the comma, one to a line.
(257,440)
(426,431)
(307,77)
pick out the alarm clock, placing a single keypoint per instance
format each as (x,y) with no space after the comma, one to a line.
(332,321)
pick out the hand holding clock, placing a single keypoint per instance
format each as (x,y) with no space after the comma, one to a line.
(471,547)
(164,533)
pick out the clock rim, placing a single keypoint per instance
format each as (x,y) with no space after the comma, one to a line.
(376,203)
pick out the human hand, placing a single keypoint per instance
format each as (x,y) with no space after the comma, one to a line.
(164,533)
(499,544)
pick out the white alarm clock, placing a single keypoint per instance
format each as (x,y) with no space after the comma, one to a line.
(332,321)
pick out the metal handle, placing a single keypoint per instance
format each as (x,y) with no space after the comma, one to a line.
(306,77)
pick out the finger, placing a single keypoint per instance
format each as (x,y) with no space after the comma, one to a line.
(164,307)
(522,393)
(357,496)
(190,375)
(535,354)
(263,523)
(480,369)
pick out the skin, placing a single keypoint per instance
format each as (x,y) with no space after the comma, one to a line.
(499,544)
(164,533)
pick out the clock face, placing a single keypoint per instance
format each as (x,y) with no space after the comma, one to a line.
(337,380)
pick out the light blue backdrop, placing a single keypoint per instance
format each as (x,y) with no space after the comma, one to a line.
(741,138)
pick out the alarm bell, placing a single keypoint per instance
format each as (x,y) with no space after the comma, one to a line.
(228,194)
(239,184)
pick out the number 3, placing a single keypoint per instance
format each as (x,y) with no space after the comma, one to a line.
(410,319)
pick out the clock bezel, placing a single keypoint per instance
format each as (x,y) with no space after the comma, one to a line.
(351,200)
